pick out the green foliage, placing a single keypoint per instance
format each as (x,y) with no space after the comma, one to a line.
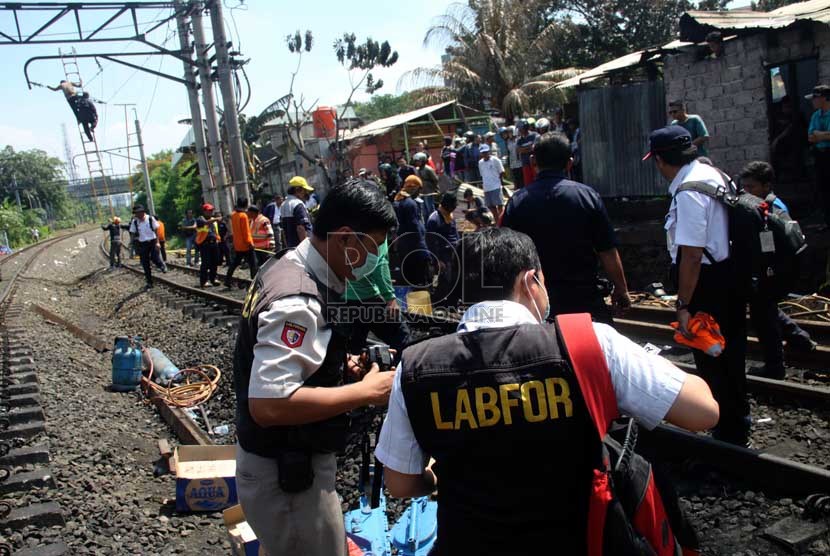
(366,56)
(383,106)
(173,192)
(769,5)
(295,41)
(38,178)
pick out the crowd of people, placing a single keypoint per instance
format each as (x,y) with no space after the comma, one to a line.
(470,407)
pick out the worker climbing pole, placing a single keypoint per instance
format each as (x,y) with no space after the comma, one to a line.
(83,109)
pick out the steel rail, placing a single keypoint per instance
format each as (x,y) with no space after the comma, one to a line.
(819,331)
(789,476)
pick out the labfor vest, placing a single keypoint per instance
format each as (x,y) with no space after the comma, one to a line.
(277,279)
(501,412)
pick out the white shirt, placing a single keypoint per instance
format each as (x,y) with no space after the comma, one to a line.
(278,368)
(146,230)
(695,219)
(515,161)
(491,171)
(646,385)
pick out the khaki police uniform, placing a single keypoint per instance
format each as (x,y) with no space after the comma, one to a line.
(285,342)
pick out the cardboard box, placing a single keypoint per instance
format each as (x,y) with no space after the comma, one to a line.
(243,539)
(205,478)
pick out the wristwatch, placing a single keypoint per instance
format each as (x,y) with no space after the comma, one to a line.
(679,305)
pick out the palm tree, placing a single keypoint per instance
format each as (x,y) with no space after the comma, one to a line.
(496,53)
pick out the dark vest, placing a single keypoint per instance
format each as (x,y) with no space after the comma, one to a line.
(501,412)
(276,279)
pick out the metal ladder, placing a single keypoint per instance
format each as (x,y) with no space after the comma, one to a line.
(94,166)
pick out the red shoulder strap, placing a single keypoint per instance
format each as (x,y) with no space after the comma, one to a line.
(591,371)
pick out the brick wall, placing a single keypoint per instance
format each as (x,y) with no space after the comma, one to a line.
(728,93)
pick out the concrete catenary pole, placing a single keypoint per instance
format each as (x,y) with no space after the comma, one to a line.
(238,171)
(211,119)
(208,191)
(151,206)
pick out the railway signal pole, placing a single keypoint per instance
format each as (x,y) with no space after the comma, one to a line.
(220,40)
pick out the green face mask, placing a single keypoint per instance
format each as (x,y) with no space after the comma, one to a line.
(366,268)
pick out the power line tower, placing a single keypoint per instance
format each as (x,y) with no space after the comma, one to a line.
(67,152)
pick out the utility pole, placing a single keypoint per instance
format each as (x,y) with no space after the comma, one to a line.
(151,206)
(129,160)
(208,191)
(211,120)
(223,64)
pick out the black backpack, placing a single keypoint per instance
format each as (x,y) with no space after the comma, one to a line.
(765,243)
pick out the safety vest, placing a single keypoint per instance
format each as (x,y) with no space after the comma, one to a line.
(262,233)
(503,403)
(208,232)
(279,278)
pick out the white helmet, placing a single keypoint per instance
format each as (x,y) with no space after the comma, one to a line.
(542,123)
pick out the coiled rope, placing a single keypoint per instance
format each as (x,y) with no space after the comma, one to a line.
(198,385)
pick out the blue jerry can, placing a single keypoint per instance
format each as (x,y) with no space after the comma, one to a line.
(126,364)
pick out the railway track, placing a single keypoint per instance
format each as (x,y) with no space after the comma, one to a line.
(753,466)
(25,476)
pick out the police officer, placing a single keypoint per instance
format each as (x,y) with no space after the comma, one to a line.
(698,241)
(568,222)
(288,366)
(513,459)
(294,219)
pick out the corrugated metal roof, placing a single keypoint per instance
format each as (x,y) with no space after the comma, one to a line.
(379,127)
(743,20)
(629,60)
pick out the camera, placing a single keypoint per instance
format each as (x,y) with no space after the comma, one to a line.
(379,353)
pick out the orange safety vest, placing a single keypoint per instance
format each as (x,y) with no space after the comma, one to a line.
(160,232)
(206,231)
(262,233)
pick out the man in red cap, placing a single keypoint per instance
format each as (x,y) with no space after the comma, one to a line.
(207,240)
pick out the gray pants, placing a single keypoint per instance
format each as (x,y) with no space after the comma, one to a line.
(115,254)
(308,523)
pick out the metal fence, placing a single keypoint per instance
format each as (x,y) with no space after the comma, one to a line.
(615,123)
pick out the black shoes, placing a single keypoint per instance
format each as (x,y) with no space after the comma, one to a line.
(767,372)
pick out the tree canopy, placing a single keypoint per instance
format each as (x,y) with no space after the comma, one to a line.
(507,54)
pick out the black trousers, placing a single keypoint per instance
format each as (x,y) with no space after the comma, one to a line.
(238,257)
(145,254)
(115,253)
(89,127)
(209,260)
(263,255)
(371,316)
(518,177)
(822,159)
(763,312)
(162,251)
(726,374)
(582,299)
(223,253)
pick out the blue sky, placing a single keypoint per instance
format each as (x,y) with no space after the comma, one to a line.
(33,118)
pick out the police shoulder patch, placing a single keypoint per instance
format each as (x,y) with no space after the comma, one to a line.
(293,334)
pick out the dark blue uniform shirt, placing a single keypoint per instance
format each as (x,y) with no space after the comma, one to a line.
(568,223)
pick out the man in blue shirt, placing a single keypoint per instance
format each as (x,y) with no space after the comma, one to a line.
(410,244)
(771,324)
(692,123)
(570,227)
(818,134)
